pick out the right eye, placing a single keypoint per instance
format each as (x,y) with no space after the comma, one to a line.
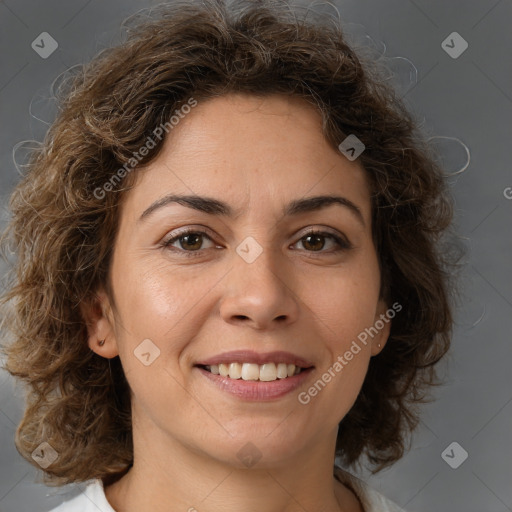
(190,241)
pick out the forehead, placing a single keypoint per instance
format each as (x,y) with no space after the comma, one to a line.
(250,150)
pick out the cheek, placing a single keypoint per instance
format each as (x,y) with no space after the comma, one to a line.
(154,297)
(162,303)
(344,302)
(343,312)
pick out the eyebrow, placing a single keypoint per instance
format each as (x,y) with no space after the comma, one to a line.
(215,207)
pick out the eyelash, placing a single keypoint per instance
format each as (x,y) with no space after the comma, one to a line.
(342,244)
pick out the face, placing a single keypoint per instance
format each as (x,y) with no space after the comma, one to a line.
(265,271)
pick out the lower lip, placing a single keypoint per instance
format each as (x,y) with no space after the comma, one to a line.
(255,390)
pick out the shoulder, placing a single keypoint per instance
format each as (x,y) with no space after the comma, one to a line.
(91,499)
(371,499)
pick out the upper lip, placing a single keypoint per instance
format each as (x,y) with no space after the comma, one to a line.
(250,356)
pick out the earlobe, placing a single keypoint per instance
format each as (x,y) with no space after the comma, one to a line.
(376,348)
(104,348)
(100,332)
(383,324)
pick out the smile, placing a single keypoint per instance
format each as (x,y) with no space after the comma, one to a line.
(256,390)
(249,371)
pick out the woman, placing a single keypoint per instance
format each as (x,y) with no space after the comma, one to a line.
(228,271)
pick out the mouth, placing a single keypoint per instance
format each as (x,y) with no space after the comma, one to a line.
(266,372)
(253,376)
(249,365)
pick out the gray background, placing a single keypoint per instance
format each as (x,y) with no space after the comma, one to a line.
(467,101)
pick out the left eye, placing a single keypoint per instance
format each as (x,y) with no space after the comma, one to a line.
(312,238)
(191,241)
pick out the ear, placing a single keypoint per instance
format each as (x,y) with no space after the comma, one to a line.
(382,323)
(99,319)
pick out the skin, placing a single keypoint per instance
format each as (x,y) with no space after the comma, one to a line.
(257,154)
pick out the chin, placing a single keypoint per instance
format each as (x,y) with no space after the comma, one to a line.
(263,447)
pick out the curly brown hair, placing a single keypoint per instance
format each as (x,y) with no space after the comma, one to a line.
(63,231)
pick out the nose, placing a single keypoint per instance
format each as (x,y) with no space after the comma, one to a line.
(259,294)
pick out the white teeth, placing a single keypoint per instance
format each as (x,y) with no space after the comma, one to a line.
(282,371)
(249,371)
(235,370)
(268,372)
